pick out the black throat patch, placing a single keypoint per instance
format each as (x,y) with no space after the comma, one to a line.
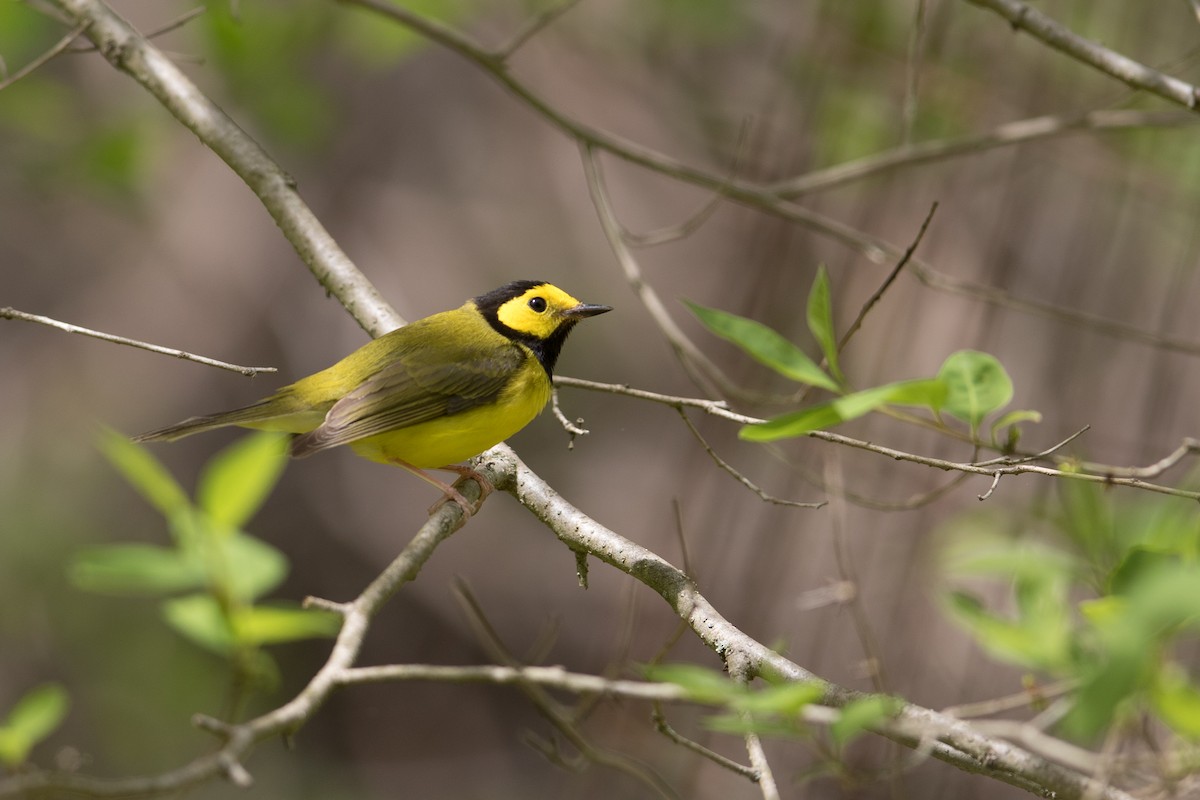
(546,350)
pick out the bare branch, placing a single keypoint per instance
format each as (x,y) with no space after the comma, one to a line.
(1007,135)
(950,740)
(750,194)
(130,52)
(664,727)
(552,711)
(1024,17)
(887,282)
(173,25)
(707,375)
(739,477)
(534,26)
(56,49)
(12,313)
(568,426)
(1008,466)
(912,67)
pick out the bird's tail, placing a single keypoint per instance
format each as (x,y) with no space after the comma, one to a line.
(257,415)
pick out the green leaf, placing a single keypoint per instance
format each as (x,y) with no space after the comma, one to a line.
(741,724)
(1011,420)
(199,618)
(1139,564)
(35,716)
(238,480)
(820,321)
(923,392)
(1029,642)
(144,472)
(861,715)
(702,685)
(843,409)
(787,699)
(797,423)
(1176,700)
(765,346)
(136,569)
(251,567)
(976,385)
(273,624)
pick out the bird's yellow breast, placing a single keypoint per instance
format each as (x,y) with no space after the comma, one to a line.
(455,438)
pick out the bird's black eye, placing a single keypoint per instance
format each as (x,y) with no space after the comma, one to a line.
(538,304)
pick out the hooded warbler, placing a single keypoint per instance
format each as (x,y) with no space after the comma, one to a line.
(430,394)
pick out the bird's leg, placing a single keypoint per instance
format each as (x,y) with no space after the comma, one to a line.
(485,488)
(449,492)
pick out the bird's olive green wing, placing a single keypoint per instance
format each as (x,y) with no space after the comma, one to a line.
(419,385)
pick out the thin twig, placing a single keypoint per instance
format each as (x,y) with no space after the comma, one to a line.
(692,223)
(1049,451)
(1009,134)
(912,67)
(568,426)
(133,55)
(1010,702)
(887,282)
(740,671)
(664,727)
(1053,33)
(707,375)
(935,279)
(175,24)
(738,476)
(534,26)
(848,574)
(1189,447)
(507,675)
(988,469)
(59,47)
(747,193)
(12,313)
(550,709)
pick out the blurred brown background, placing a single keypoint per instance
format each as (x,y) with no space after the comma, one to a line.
(440,185)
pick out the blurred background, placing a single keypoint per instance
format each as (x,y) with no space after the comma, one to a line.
(441,185)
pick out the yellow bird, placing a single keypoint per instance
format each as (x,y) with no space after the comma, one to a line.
(429,395)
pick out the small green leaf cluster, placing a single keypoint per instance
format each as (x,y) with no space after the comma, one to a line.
(215,574)
(775,710)
(970,386)
(36,715)
(1108,607)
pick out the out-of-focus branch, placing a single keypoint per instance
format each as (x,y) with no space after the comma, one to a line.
(1053,33)
(57,48)
(707,375)
(763,198)
(1006,135)
(130,52)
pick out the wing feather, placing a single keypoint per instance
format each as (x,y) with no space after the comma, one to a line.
(422,384)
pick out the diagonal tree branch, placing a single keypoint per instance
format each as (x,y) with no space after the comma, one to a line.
(1052,32)
(951,740)
(132,53)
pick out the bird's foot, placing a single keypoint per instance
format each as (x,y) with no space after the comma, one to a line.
(485,488)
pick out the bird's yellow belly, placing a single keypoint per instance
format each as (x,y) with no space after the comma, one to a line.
(455,438)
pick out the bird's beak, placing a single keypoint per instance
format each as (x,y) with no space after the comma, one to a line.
(585,310)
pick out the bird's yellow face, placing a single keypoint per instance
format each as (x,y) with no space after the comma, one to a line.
(538,311)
